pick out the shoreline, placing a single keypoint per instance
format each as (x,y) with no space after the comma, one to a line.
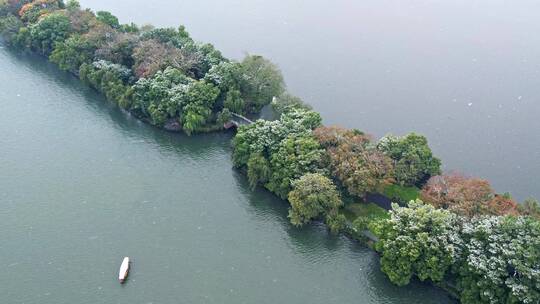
(191,97)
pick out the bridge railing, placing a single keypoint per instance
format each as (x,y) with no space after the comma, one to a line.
(245,119)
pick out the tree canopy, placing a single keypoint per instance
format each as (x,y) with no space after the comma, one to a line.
(108,18)
(488,242)
(287,145)
(297,155)
(355,161)
(265,136)
(502,261)
(466,196)
(314,195)
(413,160)
(48,31)
(73,52)
(212,89)
(287,102)
(417,240)
(32,11)
(495,259)
(261,81)
(530,207)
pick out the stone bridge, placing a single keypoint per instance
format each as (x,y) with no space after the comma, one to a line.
(237,121)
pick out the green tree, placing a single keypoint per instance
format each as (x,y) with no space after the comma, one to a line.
(72,53)
(261,137)
(210,57)
(413,160)
(417,240)
(9,28)
(297,155)
(73,5)
(161,97)
(22,39)
(502,261)
(108,18)
(265,136)
(226,75)
(234,102)
(48,31)
(286,145)
(129,28)
(177,38)
(261,81)
(170,94)
(286,102)
(313,196)
(335,221)
(258,170)
(530,207)
(224,116)
(200,99)
(110,79)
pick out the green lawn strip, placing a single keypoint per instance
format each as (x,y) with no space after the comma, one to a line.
(401,194)
(359,215)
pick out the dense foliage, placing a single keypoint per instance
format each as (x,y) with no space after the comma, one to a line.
(530,207)
(355,161)
(111,79)
(10,27)
(466,196)
(32,11)
(174,81)
(287,102)
(501,261)
(261,81)
(296,155)
(285,157)
(264,136)
(494,259)
(413,160)
(47,32)
(75,51)
(275,153)
(486,242)
(417,240)
(314,195)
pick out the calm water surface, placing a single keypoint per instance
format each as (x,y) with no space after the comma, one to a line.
(464,73)
(82,185)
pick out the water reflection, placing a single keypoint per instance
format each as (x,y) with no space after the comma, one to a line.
(199,147)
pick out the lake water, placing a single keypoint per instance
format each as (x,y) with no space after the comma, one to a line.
(82,185)
(464,73)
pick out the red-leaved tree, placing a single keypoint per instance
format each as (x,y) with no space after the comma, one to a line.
(466,196)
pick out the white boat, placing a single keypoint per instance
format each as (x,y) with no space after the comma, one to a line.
(124,270)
